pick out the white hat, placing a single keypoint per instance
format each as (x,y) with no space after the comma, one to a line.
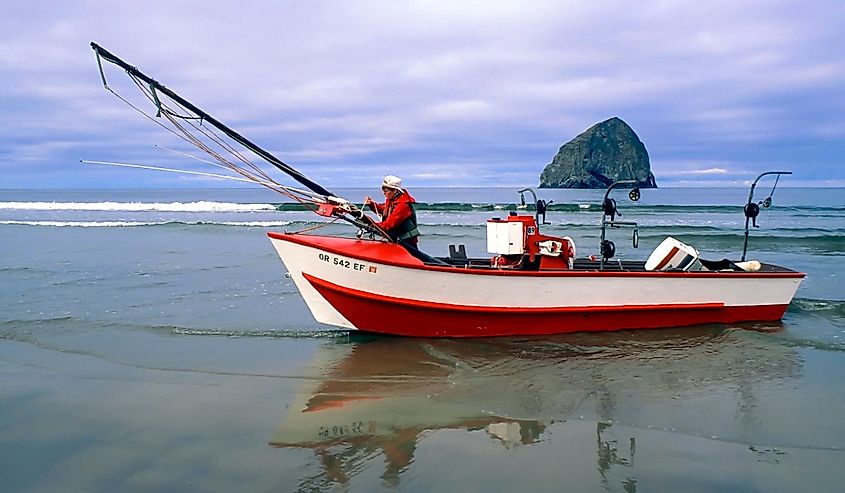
(391,181)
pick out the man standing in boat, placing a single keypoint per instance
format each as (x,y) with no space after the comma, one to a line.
(398,218)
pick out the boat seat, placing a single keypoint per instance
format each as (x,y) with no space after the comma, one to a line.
(728,265)
(458,252)
(723,264)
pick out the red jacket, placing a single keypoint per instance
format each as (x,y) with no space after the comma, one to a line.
(395,211)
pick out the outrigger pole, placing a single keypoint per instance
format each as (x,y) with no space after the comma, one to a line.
(102,53)
(329,205)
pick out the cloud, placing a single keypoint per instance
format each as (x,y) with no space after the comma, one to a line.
(412,86)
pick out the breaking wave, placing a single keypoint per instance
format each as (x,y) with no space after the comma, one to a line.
(135,224)
(212,206)
(200,206)
(833,309)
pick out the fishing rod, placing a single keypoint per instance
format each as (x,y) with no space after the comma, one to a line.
(103,54)
(752,209)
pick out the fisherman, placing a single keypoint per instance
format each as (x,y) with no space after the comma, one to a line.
(398,218)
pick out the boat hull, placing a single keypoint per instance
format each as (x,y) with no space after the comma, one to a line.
(378,287)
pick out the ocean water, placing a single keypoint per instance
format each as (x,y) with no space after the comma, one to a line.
(150,340)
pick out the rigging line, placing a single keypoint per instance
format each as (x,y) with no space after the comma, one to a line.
(102,72)
(317,195)
(139,110)
(192,140)
(151,94)
(185,154)
(221,166)
(198,143)
(211,135)
(162,108)
(215,139)
(272,184)
(318,226)
(777,177)
(171,170)
(204,147)
(307,200)
(174,170)
(185,135)
(298,176)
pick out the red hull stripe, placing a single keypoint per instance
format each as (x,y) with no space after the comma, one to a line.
(397,316)
(448,307)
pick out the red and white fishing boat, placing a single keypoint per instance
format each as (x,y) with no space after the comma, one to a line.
(377,286)
(531,284)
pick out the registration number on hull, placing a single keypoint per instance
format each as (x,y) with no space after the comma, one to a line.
(346,264)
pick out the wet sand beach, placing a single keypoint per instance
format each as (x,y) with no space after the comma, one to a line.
(697,409)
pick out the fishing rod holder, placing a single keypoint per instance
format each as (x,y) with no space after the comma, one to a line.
(609,209)
(540,205)
(752,209)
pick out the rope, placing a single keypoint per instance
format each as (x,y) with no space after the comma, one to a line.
(318,226)
(187,126)
(188,137)
(777,178)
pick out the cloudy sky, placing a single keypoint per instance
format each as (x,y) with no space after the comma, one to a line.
(442,93)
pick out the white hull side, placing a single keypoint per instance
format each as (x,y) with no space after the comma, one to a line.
(534,291)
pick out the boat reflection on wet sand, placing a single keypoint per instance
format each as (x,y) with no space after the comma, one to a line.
(377,399)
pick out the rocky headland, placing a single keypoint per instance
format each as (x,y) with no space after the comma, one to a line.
(606,152)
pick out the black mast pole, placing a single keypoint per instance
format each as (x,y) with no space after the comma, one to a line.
(296,175)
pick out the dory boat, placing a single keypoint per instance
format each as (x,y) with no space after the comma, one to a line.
(531,284)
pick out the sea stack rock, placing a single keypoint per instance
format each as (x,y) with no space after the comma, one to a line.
(606,152)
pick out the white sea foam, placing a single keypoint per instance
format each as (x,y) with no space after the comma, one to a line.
(83,224)
(201,206)
(130,224)
(260,224)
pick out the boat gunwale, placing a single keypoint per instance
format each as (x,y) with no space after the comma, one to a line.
(300,239)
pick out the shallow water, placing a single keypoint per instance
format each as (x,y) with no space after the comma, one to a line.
(160,347)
